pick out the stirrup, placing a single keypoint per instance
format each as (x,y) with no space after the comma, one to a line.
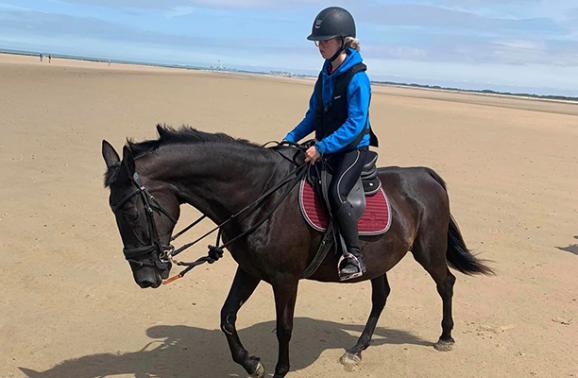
(357,262)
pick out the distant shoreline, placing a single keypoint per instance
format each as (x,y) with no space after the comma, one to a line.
(96,60)
(481,92)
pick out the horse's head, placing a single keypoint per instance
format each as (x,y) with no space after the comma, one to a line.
(145,222)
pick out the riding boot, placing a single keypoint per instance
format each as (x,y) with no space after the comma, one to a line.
(351,263)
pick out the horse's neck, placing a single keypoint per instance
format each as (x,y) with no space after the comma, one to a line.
(220,181)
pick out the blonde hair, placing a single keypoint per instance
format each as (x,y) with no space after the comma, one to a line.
(351,42)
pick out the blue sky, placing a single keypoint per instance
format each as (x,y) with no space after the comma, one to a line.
(512,45)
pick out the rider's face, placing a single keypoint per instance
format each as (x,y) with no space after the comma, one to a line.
(328,48)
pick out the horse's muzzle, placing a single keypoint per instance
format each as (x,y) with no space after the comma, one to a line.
(147,277)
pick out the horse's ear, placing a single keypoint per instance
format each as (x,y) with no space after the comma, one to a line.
(128,160)
(110,156)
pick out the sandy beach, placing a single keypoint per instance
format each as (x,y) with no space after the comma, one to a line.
(70,308)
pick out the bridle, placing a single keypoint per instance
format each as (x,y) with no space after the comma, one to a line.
(145,255)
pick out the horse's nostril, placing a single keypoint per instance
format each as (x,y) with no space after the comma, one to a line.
(145,283)
(156,284)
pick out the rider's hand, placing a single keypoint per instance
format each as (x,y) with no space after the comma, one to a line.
(312,155)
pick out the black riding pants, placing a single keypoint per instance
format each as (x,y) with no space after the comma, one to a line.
(346,167)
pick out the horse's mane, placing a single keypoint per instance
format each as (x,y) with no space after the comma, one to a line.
(184,135)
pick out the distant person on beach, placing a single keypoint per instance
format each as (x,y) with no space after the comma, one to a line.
(41,57)
(339,115)
(49,58)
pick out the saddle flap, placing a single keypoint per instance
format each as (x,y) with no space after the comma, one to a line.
(357,199)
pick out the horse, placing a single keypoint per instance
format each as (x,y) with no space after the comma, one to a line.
(219,175)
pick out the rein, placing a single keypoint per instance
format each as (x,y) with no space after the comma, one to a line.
(216,251)
(143,256)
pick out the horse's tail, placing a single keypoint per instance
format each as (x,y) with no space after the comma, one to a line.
(458,254)
(460,257)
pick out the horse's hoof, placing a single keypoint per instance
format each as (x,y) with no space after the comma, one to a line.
(259,371)
(350,361)
(444,345)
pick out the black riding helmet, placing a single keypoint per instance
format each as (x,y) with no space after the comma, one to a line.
(332,22)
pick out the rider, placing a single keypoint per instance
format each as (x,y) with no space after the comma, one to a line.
(339,115)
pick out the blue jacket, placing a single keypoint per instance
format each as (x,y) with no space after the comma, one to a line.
(358,96)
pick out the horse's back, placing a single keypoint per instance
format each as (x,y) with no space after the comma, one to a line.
(417,194)
(413,182)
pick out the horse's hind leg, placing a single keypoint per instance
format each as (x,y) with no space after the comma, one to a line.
(241,289)
(430,252)
(379,292)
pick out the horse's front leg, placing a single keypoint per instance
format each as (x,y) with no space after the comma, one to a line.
(241,289)
(285,295)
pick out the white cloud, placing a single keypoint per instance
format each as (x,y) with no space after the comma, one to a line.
(11,7)
(521,44)
(179,12)
(172,4)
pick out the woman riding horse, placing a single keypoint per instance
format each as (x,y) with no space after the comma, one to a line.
(219,175)
(339,115)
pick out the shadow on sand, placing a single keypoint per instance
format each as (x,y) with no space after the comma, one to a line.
(573,248)
(179,351)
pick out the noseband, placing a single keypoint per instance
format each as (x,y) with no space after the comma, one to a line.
(144,256)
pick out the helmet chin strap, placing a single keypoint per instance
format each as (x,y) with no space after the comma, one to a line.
(338,52)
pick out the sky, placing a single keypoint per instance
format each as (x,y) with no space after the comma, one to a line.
(506,45)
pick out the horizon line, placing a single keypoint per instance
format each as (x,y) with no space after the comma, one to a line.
(280,73)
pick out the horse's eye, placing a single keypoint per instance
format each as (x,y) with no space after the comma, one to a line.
(132,214)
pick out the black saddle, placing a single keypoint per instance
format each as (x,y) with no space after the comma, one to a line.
(367,184)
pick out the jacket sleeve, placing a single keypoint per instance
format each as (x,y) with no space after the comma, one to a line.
(307,125)
(358,95)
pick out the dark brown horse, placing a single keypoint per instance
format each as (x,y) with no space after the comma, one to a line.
(219,175)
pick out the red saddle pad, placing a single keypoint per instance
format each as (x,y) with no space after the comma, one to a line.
(375,220)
